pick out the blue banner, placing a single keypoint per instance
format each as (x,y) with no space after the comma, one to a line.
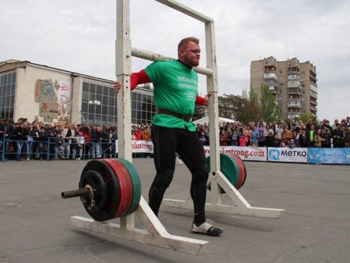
(329,155)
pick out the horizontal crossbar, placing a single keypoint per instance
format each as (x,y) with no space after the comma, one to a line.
(186,10)
(144,54)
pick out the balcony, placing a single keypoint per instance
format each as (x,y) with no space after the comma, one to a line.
(273,89)
(313,95)
(294,104)
(270,76)
(294,111)
(270,62)
(293,84)
(293,116)
(294,77)
(271,82)
(293,63)
(313,108)
(312,102)
(295,91)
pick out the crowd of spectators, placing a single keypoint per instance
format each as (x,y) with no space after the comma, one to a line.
(292,134)
(36,140)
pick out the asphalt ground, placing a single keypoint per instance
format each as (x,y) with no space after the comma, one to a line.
(35,221)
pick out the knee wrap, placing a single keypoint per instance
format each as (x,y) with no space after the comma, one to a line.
(163,179)
(200,173)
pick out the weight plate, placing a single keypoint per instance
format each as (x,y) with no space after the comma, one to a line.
(96,182)
(242,170)
(113,190)
(136,184)
(229,168)
(125,186)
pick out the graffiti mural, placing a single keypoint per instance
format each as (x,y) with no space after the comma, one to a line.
(53,98)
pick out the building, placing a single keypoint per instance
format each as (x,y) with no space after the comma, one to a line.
(294,85)
(37,92)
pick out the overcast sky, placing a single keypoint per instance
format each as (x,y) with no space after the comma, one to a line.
(79,36)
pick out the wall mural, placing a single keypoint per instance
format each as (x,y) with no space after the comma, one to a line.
(54,99)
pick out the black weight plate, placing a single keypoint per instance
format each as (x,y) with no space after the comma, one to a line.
(99,186)
(113,191)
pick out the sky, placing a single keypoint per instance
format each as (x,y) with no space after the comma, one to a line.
(79,36)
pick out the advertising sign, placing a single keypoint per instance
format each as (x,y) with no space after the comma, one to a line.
(294,155)
(246,153)
(329,155)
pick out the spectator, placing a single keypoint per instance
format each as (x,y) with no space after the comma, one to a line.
(327,137)
(286,136)
(311,135)
(303,140)
(270,140)
(318,138)
(262,134)
(68,134)
(254,136)
(234,138)
(347,138)
(338,137)
(19,136)
(223,138)
(96,138)
(59,146)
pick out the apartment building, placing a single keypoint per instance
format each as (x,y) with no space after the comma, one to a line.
(293,84)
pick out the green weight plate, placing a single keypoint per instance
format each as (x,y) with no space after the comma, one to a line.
(136,183)
(229,168)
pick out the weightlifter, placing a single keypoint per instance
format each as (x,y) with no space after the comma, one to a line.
(175,95)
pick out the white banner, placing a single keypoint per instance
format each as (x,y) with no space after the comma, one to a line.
(294,155)
(138,146)
(246,153)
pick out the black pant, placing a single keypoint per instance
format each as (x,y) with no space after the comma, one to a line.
(166,142)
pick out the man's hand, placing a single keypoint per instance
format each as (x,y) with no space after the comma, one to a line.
(206,103)
(117,86)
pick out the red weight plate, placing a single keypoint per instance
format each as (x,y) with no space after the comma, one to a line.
(125,186)
(242,172)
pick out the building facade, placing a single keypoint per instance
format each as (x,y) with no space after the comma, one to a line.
(294,85)
(37,92)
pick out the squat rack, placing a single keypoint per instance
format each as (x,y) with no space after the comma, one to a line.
(154,233)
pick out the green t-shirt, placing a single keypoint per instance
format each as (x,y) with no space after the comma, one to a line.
(175,90)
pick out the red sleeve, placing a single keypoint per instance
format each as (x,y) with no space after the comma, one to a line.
(139,78)
(200,100)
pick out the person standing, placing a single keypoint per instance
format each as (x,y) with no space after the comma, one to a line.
(175,95)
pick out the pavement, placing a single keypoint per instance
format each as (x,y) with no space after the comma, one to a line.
(35,221)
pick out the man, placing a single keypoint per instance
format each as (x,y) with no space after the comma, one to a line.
(175,95)
(68,134)
(311,136)
(338,137)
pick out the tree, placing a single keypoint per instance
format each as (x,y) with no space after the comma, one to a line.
(268,104)
(240,107)
(305,117)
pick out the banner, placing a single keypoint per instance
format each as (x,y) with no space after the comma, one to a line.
(329,155)
(138,146)
(246,153)
(294,155)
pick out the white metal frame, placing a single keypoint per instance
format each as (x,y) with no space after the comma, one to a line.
(154,232)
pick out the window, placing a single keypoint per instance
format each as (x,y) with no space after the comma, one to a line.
(142,107)
(7,91)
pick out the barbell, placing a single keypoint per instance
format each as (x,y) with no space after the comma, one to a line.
(108,189)
(111,188)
